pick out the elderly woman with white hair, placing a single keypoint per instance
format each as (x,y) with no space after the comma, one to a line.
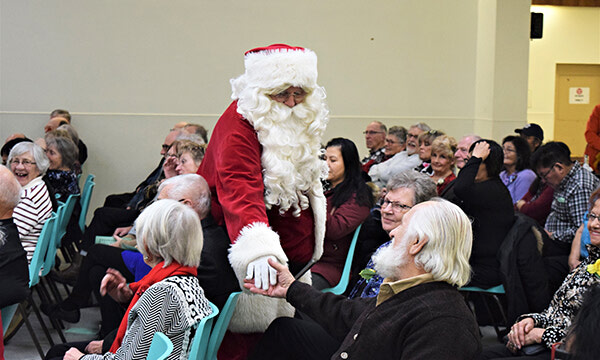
(169,299)
(29,163)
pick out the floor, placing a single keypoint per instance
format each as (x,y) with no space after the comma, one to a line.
(21,346)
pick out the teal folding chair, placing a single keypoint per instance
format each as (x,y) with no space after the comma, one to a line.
(493,293)
(216,337)
(200,342)
(340,288)
(35,268)
(86,196)
(160,348)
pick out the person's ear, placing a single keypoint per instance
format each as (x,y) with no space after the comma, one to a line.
(416,246)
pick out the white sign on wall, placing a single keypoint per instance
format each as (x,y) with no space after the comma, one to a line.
(579,95)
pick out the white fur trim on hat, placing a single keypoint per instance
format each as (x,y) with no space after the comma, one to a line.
(255,240)
(271,69)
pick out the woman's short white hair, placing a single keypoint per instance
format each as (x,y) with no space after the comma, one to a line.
(449,238)
(172,231)
(39,156)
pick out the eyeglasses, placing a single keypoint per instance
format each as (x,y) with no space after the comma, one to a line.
(409,135)
(544,175)
(591,217)
(371,132)
(393,142)
(25,163)
(396,205)
(285,95)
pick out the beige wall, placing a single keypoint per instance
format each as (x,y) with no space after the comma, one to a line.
(129,69)
(571,36)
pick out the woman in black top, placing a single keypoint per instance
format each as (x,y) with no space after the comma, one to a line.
(484,198)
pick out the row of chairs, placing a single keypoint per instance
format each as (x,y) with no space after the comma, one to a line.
(43,261)
(206,342)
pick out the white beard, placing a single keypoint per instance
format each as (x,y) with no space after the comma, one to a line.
(291,141)
(389,260)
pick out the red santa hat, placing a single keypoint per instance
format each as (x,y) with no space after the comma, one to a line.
(279,64)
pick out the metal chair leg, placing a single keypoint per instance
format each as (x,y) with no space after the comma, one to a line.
(31,332)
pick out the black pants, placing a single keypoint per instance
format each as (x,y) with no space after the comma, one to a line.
(57,352)
(289,338)
(105,221)
(93,268)
(499,351)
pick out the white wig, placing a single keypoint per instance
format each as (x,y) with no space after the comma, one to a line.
(170,230)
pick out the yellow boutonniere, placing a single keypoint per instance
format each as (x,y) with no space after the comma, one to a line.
(594,268)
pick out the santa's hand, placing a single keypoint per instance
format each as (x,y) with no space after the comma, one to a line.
(262,273)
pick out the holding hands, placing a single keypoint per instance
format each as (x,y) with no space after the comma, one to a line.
(283,280)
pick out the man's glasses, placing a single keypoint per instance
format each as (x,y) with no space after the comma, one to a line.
(285,95)
(544,175)
(397,206)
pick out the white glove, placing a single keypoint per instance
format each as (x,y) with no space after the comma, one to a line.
(262,272)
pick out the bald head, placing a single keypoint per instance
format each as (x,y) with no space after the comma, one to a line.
(191,189)
(10,192)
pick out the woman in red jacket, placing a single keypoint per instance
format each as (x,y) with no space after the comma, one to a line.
(349,202)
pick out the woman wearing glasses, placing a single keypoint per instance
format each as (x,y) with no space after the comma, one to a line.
(29,163)
(348,204)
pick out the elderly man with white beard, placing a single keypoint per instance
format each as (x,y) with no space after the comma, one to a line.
(418,313)
(263,168)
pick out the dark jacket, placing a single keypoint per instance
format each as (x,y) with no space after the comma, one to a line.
(524,275)
(427,321)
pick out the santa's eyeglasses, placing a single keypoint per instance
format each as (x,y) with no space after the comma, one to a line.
(285,95)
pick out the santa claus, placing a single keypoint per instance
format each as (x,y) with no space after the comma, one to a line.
(263,167)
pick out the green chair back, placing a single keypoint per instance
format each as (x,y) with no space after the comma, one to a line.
(343,284)
(216,337)
(200,342)
(160,348)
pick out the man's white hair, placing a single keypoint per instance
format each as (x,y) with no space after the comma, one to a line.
(291,143)
(447,231)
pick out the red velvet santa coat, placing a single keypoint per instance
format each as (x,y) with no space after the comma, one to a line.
(232,167)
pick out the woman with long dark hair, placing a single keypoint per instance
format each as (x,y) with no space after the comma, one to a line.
(485,199)
(517,176)
(349,202)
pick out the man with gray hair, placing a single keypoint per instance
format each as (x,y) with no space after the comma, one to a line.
(375,135)
(418,314)
(14,273)
(462,150)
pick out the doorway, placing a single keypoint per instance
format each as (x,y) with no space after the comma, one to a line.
(577,91)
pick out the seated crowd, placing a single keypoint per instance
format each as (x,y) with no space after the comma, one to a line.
(435,214)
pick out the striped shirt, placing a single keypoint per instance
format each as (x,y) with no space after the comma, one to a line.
(31,213)
(174,307)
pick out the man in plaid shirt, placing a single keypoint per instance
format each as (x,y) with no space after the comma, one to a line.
(572,185)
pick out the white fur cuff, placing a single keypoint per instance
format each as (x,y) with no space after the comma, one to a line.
(256,240)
